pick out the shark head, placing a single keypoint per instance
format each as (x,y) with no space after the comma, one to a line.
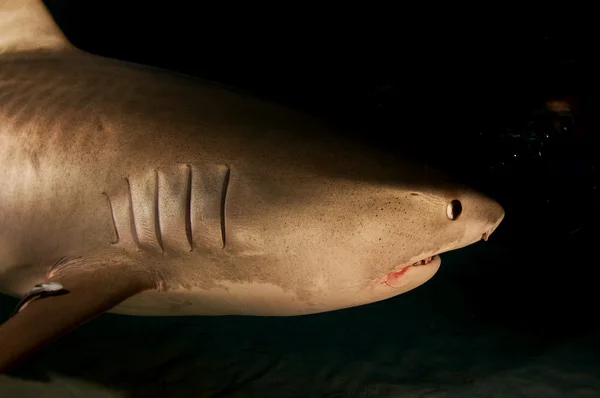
(348,238)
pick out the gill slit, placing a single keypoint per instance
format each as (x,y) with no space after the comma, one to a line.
(223,204)
(132,216)
(157,230)
(112,216)
(188,209)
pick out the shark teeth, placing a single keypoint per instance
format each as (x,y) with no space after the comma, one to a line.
(426,260)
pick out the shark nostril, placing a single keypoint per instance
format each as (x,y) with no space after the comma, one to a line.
(485,236)
(454,209)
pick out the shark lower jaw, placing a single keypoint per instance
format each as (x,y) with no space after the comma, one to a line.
(397,278)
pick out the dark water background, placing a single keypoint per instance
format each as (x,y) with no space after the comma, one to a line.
(466,97)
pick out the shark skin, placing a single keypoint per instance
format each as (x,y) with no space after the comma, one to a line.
(139,191)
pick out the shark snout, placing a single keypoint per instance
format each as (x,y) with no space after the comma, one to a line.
(498,216)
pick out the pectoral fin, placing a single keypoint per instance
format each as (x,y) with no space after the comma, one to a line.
(86,292)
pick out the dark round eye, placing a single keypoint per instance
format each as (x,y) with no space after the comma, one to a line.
(454,209)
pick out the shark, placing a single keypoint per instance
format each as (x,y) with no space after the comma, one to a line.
(130,189)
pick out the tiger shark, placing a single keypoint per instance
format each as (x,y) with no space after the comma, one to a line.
(135,190)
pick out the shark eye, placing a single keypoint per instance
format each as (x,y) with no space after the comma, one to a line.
(454,209)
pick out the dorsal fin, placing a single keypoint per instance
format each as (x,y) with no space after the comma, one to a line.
(26,25)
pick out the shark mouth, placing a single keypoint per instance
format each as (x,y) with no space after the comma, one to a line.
(393,279)
(426,260)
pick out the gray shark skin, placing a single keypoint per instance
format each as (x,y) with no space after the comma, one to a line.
(145,192)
